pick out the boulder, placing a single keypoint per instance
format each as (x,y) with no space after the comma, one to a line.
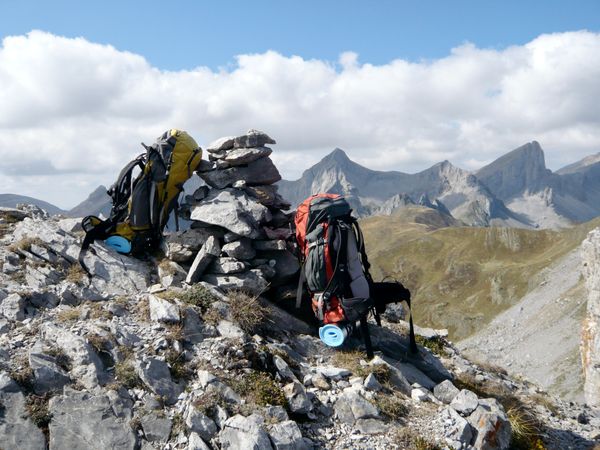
(234,210)
(253,138)
(351,406)
(81,421)
(465,402)
(492,430)
(156,375)
(240,156)
(47,375)
(241,249)
(162,310)
(445,391)
(260,172)
(206,255)
(298,401)
(242,432)
(252,281)
(13,307)
(181,246)
(226,266)
(17,431)
(287,436)
(86,365)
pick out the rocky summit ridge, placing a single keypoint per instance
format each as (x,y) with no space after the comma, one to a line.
(192,347)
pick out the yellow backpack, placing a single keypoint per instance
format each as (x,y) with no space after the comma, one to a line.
(142,204)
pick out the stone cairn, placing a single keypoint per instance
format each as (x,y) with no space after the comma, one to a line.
(239,236)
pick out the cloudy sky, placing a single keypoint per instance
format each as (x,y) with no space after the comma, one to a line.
(77,95)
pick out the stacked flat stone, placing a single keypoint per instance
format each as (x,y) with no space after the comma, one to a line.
(238,238)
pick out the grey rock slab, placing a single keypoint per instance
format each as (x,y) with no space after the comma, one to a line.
(397,378)
(229,330)
(287,436)
(86,365)
(242,432)
(17,430)
(286,266)
(491,425)
(456,427)
(334,373)
(195,442)
(205,166)
(465,402)
(253,138)
(414,375)
(201,424)
(48,376)
(260,172)
(298,400)
(181,246)
(252,281)
(206,255)
(371,426)
(227,265)
(82,420)
(241,249)
(234,210)
(283,369)
(371,383)
(156,375)
(156,428)
(240,156)
(13,307)
(351,406)
(445,391)
(162,310)
(218,145)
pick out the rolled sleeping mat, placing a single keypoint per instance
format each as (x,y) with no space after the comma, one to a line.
(334,335)
(119,244)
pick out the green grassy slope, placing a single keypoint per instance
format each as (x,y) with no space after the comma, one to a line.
(462,277)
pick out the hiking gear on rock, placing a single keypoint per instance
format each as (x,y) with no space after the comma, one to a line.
(142,205)
(335,269)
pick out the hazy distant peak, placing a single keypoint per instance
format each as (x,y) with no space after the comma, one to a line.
(337,156)
(579,165)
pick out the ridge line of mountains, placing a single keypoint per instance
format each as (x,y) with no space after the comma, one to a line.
(516,190)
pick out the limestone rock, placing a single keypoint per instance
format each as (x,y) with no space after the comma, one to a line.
(241,249)
(195,442)
(253,138)
(590,336)
(351,406)
(491,425)
(465,402)
(181,246)
(226,266)
(251,281)
(445,391)
(156,375)
(81,420)
(206,255)
(245,432)
(201,424)
(287,436)
(456,428)
(162,310)
(233,210)
(397,378)
(48,376)
(16,428)
(240,156)
(13,307)
(224,143)
(156,428)
(298,401)
(260,172)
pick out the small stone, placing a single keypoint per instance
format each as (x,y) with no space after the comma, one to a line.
(419,395)
(162,310)
(253,138)
(319,381)
(445,391)
(195,442)
(156,375)
(206,255)
(287,436)
(372,384)
(465,402)
(334,373)
(227,266)
(13,307)
(298,401)
(201,424)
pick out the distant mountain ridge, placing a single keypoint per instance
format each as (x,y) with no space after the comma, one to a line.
(11,200)
(515,190)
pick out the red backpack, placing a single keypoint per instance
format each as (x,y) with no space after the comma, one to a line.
(335,267)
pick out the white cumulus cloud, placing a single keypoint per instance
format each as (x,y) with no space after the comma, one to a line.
(72,112)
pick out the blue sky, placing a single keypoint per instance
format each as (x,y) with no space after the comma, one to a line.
(184,34)
(398,85)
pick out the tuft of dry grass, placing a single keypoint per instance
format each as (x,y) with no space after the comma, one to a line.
(351,360)
(260,389)
(37,407)
(177,365)
(393,407)
(25,244)
(62,359)
(68,315)
(22,373)
(75,274)
(406,439)
(247,311)
(126,375)
(436,344)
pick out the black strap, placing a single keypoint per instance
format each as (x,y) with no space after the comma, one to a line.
(299,290)
(100,231)
(411,332)
(364,331)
